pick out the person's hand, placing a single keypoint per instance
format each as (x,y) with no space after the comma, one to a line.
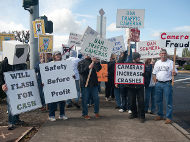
(174,73)
(74,76)
(91,65)
(116,85)
(4,87)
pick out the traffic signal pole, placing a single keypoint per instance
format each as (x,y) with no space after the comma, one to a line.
(34,57)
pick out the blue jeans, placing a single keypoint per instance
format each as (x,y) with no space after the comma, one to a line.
(166,89)
(53,108)
(150,92)
(12,119)
(117,96)
(86,92)
(41,93)
(126,103)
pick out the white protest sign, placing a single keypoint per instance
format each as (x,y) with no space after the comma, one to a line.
(23,94)
(58,80)
(130,18)
(149,49)
(119,44)
(74,39)
(129,73)
(175,39)
(89,31)
(97,47)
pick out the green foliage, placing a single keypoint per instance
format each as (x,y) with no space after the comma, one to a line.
(179,68)
(185,52)
(187,67)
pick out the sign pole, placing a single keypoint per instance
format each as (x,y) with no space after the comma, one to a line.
(174,65)
(129,42)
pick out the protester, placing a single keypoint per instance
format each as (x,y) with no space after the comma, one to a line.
(84,67)
(53,106)
(162,74)
(5,67)
(136,92)
(149,87)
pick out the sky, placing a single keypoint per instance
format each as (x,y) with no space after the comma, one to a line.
(75,15)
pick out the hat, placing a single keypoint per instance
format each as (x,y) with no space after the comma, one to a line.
(73,53)
(56,53)
(136,55)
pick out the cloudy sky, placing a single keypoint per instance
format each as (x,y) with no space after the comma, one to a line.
(75,15)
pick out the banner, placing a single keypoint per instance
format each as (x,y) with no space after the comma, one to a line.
(149,49)
(130,18)
(74,39)
(23,94)
(129,73)
(58,81)
(119,44)
(97,47)
(5,37)
(45,44)
(38,27)
(103,73)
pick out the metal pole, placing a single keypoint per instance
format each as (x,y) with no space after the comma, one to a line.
(101,20)
(34,57)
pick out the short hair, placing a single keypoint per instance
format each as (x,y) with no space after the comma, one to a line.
(163,50)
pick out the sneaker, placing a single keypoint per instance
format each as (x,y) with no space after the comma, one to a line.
(52,119)
(63,117)
(129,111)
(168,121)
(19,122)
(108,99)
(87,117)
(11,127)
(97,115)
(157,118)
(121,110)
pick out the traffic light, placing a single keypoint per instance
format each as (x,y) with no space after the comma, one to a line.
(48,24)
(28,3)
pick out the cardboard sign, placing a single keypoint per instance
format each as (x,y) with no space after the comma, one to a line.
(103,73)
(89,31)
(130,18)
(74,39)
(5,37)
(23,94)
(15,51)
(45,44)
(58,80)
(135,35)
(38,27)
(175,39)
(149,49)
(97,47)
(129,73)
(119,44)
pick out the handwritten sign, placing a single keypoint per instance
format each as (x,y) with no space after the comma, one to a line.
(23,94)
(119,44)
(103,73)
(74,39)
(130,18)
(149,49)
(58,81)
(97,47)
(5,37)
(45,44)
(38,27)
(129,73)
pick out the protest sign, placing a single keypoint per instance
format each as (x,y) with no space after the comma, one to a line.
(89,31)
(175,39)
(119,44)
(130,18)
(97,47)
(45,44)
(103,73)
(23,94)
(58,81)
(135,35)
(129,73)
(74,39)
(38,27)
(5,37)
(149,49)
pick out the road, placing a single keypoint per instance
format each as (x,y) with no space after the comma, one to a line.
(181,100)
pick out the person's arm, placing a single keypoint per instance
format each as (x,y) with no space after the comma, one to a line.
(154,78)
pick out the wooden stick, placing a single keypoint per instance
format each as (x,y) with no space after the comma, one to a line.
(89,74)
(129,43)
(174,66)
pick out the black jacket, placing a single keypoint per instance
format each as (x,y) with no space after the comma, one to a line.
(148,72)
(83,68)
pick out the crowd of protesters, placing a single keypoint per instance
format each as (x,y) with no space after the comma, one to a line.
(131,98)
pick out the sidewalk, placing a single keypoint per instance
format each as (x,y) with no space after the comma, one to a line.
(111,127)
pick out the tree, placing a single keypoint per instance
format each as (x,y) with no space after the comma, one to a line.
(185,52)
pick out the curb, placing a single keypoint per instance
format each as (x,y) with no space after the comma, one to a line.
(24,134)
(179,71)
(181,130)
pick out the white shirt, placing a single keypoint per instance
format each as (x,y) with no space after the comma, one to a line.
(75,66)
(163,70)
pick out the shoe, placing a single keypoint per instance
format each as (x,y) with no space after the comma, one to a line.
(168,121)
(52,119)
(117,107)
(129,111)
(11,127)
(151,112)
(63,117)
(69,106)
(132,116)
(157,118)
(87,117)
(121,110)
(142,120)
(19,122)
(146,111)
(97,115)
(77,106)
(43,108)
